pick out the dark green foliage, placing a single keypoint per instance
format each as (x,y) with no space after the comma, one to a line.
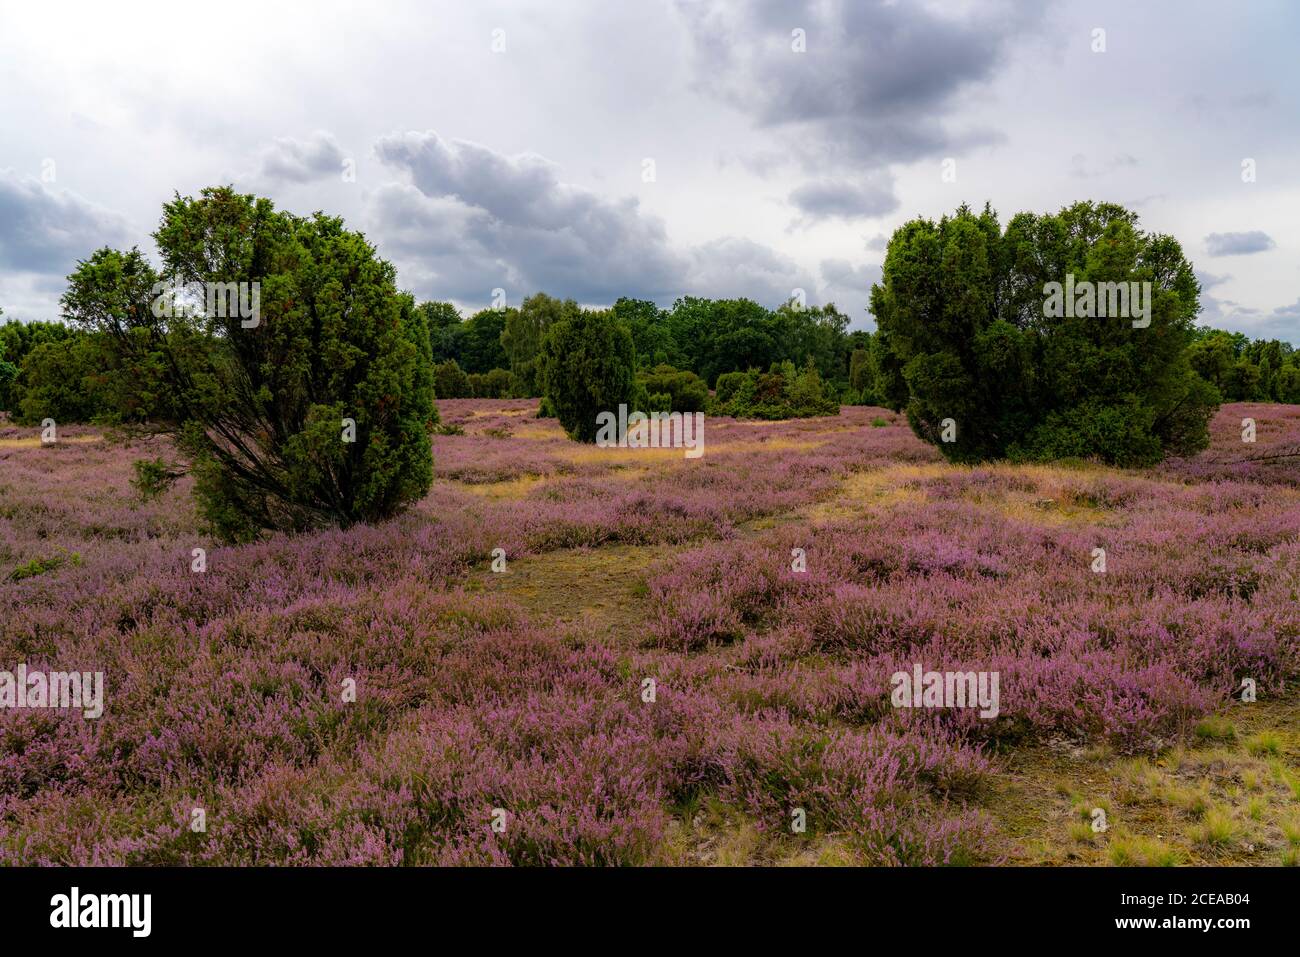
(862,377)
(780,393)
(41,566)
(684,391)
(443,321)
(497,384)
(153,477)
(60,379)
(890,388)
(1286,384)
(1245,370)
(522,337)
(652,332)
(724,335)
(450,381)
(963,324)
(731,384)
(1115,432)
(588,366)
(479,341)
(8,372)
(259,411)
(17,340)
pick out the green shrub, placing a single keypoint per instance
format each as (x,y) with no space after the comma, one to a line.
(66,380)
(781,393)
(497,384)
(965,316)
(450,381)
(41,566)
(153,477)
(1115,433)
(588,366)
(730,383)
(686,391)
(318,413)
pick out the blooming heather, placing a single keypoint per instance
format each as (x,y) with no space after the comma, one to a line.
(377,695)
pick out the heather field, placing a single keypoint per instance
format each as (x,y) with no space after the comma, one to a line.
(524,691)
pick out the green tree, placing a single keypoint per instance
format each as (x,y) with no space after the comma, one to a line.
(315,411)
(450,381)
(445,327)
(1287,383)
(683,391)
(651,333)
(861,376)
(965,314)
(479,341)
(1213,358)
(522,337)
(8,372)
(67,380)
(497,384)
(588,366)
(17,339)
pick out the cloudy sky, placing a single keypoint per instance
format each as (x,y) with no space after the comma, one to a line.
(656,148)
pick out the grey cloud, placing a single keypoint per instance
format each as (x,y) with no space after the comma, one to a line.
(865,60)
(1238,244)
(733,267)
(44,230)
(288,160)
(825,199)
(1209,280)
(875,85)
(849,287)
(1282,322)
(472,219)
(513,216)
(1291,312)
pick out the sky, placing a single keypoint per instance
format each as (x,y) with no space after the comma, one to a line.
(656,148)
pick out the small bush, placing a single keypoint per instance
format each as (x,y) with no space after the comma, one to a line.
(1264,743)
(496,384)
(450,381)
(153,477)
(682,391)
(780,393)
(1136,851)
(588,366)
(40,566)
(1216,829)
(1215,728)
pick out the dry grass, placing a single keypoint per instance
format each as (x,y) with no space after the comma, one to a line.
(1223,799)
